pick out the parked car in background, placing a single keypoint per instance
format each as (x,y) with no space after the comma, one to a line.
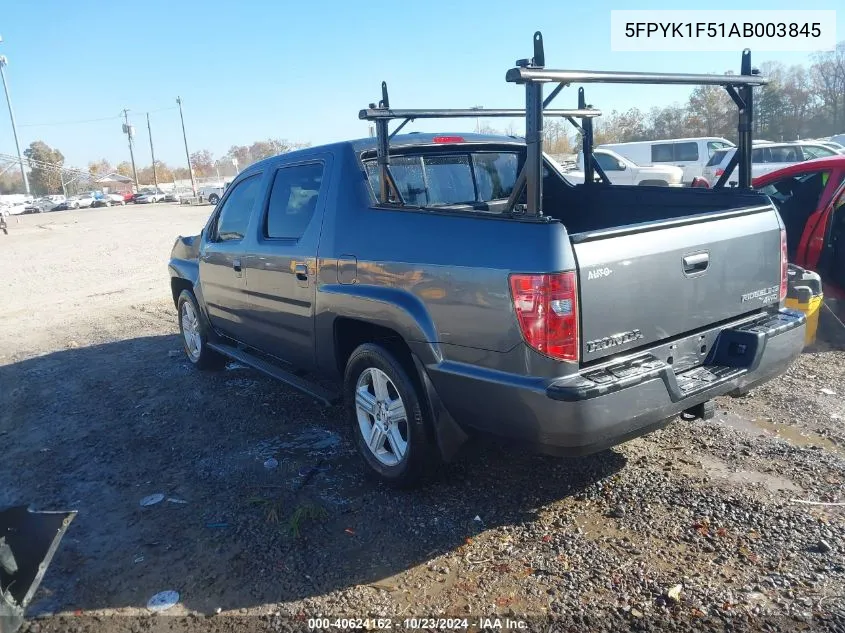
(178,196)
(212,193)
(13,208)
(837,138)
(810,197)
(80,201)
(109,200)
(623,171)
(836,147)
(766,158)
(690,154)
(149,196)
(42,205)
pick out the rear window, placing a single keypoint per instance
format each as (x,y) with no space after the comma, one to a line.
(717,157)
(712,146)
(446,179)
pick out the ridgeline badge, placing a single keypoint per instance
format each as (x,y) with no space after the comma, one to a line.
(766,295)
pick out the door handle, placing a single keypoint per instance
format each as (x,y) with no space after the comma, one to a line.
(301,272)
(236,264)
(696,263)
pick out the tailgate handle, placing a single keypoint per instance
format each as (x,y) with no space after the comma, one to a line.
(696,263)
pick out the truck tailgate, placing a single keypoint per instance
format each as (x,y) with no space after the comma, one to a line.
(647,283)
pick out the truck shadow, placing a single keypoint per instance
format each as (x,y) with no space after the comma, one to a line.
(98,428)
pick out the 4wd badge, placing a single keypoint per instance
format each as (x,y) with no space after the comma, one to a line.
(598,273)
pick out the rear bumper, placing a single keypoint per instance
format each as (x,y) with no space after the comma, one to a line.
(607,405)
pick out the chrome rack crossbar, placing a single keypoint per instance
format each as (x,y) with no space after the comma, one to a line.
(532,73)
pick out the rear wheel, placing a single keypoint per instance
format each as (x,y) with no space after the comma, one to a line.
(392,430)
(213,198)
(194,334)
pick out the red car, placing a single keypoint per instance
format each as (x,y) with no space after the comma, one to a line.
(810,197)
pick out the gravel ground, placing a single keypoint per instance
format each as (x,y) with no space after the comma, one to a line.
(693,527)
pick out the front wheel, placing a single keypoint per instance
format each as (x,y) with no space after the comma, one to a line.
(194,335)
(392,429)
(213,199)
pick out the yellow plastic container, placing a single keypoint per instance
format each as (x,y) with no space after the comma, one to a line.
(811,308)
(804,293)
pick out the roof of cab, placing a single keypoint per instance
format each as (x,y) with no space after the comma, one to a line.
(400,140)
(426,138)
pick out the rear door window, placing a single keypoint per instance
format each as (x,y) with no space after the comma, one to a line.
(293,201)
(785,154)
(686,151)
(662,153)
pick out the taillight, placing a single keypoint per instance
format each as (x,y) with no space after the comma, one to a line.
(784,265)
(546,307)
(448,139)
(719,173)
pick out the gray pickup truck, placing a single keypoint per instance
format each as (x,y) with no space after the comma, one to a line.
(458,283)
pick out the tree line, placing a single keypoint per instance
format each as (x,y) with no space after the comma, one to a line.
(45,166)
(800,101)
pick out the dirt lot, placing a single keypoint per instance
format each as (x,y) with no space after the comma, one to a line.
(691,527)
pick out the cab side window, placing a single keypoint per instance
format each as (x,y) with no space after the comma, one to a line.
(293,201)
(233,219)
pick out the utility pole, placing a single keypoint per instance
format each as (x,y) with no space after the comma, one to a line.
(152,152)
(477,120)
(130,132)
(187,153)
(3,63)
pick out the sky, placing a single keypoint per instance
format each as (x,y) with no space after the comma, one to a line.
(301,71)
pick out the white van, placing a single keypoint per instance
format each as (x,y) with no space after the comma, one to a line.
(691,154)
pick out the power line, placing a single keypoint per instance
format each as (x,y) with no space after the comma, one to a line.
(110,118)
(83,121)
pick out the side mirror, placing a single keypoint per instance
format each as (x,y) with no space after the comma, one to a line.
(621,166)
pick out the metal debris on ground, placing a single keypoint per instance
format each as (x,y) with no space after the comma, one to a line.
(271,463)
(175,500)
(151,500)
(163,600)
(827,392)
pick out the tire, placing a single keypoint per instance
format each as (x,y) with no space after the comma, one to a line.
(194,334)
(374,377)
(213,199)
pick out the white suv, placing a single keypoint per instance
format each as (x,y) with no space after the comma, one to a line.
(765,157)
